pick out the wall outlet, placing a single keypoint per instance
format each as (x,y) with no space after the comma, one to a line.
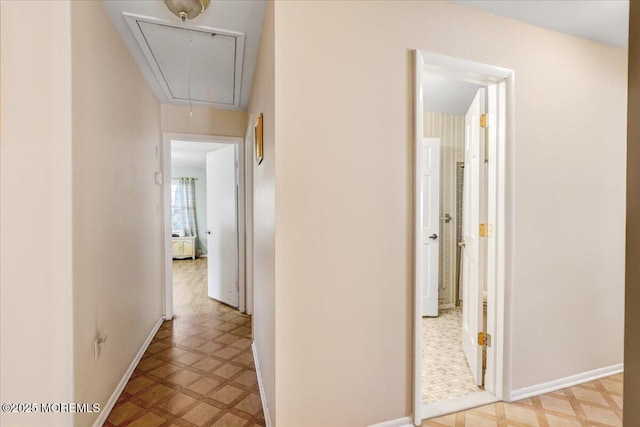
(97,345)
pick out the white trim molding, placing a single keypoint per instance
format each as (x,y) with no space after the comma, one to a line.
(106,410)
(398,422)
(263,395)
(538,389)
(165,162)
(134,20)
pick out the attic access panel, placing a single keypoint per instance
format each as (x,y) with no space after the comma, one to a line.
(201,64)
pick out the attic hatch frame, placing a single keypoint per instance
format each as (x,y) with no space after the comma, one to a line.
(133,21)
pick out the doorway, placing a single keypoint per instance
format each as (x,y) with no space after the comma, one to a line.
(460,270)
(204,223)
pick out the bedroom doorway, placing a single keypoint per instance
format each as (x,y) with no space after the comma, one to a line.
(203,222)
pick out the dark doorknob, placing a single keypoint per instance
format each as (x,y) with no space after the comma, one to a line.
(208,232)
(434,236)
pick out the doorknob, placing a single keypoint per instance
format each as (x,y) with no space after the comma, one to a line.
(208,232)
(434,236)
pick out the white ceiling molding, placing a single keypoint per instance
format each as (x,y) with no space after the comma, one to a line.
(196,64)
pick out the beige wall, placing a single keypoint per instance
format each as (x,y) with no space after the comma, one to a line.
(35,183)
(205,121)
(344,103)
(263,101)
(117,249)
(632,300)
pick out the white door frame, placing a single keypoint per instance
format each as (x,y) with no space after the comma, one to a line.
(500,240)
(167,287)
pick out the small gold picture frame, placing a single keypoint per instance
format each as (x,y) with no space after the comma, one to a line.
(258,139)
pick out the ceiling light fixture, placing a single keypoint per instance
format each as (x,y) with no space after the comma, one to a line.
(187,9)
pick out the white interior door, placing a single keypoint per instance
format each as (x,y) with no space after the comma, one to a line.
(222,225)
(430,224)
(472,251)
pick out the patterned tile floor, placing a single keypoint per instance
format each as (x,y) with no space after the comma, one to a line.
(596,403)
(445,371)
(198,370)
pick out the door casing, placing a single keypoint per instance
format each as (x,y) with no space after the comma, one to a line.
(165,162)
(500,82)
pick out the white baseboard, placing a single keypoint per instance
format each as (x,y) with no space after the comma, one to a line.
(399,422)
(535,390)
(104,412)
(263,395)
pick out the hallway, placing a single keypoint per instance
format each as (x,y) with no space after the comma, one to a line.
(198,370)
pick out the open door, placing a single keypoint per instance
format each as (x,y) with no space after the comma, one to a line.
(222,225)
(472,251)
(430,224)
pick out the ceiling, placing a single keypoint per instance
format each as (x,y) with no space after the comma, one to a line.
(223,65)
(447,95)
(221,44)
(603,21)
(190,154)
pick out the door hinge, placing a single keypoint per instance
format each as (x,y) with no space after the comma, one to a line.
(484,120)
(483,230)
(484,339)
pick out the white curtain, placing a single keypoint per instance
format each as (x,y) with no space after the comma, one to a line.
(183,207)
